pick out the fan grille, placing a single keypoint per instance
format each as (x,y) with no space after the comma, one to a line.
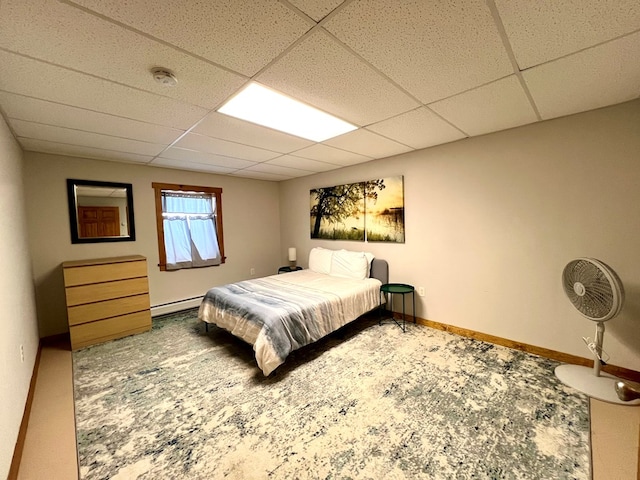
(593,288)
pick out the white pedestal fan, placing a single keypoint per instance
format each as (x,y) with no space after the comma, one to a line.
(597,293)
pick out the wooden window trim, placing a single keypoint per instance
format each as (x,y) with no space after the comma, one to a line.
(215,191)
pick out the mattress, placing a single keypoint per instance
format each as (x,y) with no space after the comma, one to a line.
(281,313)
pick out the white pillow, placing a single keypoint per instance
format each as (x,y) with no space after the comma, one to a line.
(370,257)
(348,264)
(320,260)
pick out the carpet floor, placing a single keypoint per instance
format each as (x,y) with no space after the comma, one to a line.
(366,402)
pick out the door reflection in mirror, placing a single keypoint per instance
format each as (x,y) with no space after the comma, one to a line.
(100,211)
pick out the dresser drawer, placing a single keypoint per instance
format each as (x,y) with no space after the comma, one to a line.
(82,275)
(106,291)
(107,298)
(104,330)
(90,312)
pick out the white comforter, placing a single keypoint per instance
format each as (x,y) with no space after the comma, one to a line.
(281,313)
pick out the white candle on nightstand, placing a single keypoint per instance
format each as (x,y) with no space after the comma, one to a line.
(292,257)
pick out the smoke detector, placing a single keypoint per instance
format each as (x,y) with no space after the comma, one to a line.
(164,77)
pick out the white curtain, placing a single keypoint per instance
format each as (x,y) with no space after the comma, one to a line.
(186,203)
(189,230)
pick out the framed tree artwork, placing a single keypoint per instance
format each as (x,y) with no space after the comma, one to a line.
(363,211)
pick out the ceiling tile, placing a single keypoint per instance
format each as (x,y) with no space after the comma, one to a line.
(594,78)
(543,30)
(50,133)
(316,9)
(74,36)
(497,106)
(367,143)
(433,49)
(218,125)
(260,175)
(278,170)
(411,74)
(33,145)
(243,35)
(325,153)
(202,143)
(324,74)
(40,111)
(419,128)
(302,163)
(48,82)
(184,165)
(175,153)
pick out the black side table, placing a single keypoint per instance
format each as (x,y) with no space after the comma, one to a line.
(287,269)
(389,289)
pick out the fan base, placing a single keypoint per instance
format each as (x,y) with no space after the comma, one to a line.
(583,379)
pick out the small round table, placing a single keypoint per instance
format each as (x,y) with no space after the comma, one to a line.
(287,269)
(389,289)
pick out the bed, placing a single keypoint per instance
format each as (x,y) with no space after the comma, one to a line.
(281,313)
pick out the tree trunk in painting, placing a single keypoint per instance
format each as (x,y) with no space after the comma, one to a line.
(319,213)
(341,201)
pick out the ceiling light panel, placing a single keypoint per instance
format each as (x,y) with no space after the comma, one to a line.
(266,107)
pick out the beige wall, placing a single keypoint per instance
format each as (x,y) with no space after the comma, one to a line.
(251,230)
(18,324)
(492,221)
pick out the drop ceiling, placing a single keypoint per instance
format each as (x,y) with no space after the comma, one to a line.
(76,79)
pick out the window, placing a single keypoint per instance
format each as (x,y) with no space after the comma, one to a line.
(189,221)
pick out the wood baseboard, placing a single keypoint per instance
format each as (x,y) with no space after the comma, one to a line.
(22,433)
(621,372)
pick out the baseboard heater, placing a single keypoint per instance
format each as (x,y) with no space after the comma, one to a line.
(176,306)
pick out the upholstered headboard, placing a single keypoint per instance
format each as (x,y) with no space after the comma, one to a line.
(380,270)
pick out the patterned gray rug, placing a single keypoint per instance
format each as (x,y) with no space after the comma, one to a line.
(367,402)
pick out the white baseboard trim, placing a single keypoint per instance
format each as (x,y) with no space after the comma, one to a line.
(176,306)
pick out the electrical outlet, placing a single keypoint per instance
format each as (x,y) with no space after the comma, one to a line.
(252,271)
(22,353)
(421,291)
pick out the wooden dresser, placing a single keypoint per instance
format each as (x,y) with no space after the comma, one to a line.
(107,298)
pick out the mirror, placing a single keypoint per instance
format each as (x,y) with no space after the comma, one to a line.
(100,211)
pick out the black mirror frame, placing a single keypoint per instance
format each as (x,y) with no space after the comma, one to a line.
(73,211)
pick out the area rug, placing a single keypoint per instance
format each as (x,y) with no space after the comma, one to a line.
(367,402)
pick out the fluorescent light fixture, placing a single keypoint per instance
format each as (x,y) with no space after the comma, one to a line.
(266,107)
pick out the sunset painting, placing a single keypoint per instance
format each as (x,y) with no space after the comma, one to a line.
(384,212)
(372,210)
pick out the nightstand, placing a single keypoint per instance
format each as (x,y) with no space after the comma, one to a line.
(287,269)
(389,289)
